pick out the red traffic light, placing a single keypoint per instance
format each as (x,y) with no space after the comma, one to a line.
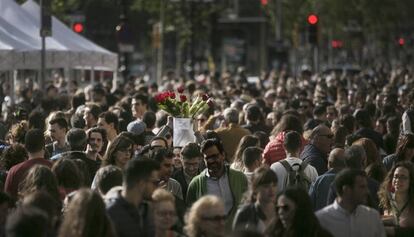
(337,44)
(78,27)
(401,41)
(313,19)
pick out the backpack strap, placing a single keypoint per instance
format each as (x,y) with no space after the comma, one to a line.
(303,165)
(286,165)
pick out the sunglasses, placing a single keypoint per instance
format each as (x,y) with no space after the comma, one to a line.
(214,218)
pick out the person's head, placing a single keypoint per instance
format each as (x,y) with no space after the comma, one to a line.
(336,159)
(405,147)
(331,113)
(263,186)
(206,217)
(108,121)
(231,116)
(348,121)
(355,157)
(96,139)
(67,173)
(34,141)
(371,150)
(85,207)
(58,128)
(252,158)
(39,178)
(13,155)
(319,112)
(393,125)
(253,114)
(399,180)
(119,152)
(214,156)
(139,105)
(141,176)
(191,157)
(158,142)
(165,158)
(27,221)
(292,142)
(352,186)
(108,177)
(149,118)
(322,138)
(45,202)
(363,118)
(263,138)
(164,209)
(246,141)
(295,211)
(288,122)
(76,139)
(18,131)
(91,114)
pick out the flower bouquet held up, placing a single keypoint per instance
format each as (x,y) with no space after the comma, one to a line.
(183,111)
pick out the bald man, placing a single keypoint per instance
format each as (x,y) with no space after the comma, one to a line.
(316,152)
(319,190)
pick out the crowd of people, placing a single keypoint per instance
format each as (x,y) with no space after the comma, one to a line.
(310,155)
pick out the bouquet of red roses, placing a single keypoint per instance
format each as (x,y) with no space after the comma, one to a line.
(180,107)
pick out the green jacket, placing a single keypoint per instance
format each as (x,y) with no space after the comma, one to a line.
(238,186)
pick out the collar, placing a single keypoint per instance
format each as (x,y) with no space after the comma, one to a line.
(214,178)
(345,212)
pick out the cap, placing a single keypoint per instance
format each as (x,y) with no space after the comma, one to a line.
(136,127)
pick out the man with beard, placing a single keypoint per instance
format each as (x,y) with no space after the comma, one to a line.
(218,179)
(96,140)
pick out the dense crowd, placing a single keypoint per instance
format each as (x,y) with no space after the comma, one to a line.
(308,155)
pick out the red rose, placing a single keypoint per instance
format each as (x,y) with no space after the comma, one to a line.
(180,89)
(159,98)
(183,98)
(172,95)
(205,97)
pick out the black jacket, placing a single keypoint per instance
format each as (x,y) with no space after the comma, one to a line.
(247,217)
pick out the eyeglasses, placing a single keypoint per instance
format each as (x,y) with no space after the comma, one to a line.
(214,218)
(284,208)
(400,177)
(329,136)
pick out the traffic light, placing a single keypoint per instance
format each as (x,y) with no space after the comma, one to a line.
(337,44)
(312,21)
(78,27)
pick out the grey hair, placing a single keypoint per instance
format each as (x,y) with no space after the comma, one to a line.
(231,115)
(354,156)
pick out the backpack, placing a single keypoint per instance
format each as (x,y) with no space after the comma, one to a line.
(296,177)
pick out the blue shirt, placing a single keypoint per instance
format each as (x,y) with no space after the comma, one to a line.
(319,189)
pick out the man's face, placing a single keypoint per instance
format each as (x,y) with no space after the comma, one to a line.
(88,117)
(56,132)
(158,143)
(166,168)
(324,140)
(151,184)
(191,165)
(359,192)
(95,142)
(214,161)
(103,124)
(138,108)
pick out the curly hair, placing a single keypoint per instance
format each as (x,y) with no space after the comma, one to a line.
(13,155)
(86,207)
(194,215)
(386,186)
(405,142)
(18,131)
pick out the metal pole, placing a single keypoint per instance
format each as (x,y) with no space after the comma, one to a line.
(160,52)
(279,17)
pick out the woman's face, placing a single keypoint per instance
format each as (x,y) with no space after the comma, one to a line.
(286,209)
(122,156)
(212,221)
(401,179)
(164,215)
(266,193)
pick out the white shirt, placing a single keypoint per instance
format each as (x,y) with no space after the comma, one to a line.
(281,172)
(363,222)
(220,187)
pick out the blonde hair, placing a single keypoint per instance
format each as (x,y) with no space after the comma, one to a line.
(162,195)
(194,215)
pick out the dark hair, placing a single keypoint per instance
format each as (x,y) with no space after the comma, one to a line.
(190,151)
(288,122)
(37,120)
(45,202)
(393,125)
(108,177)
(246,141)
(59,121)
(160,154)
(139,170)
(109,118)
(250,155)
(210,143)
(348,121)
(76,139)
(119,143)
(77,100)
(261,176)
(27,221)
(97,130)
(319,110)
(347,177)
(149,119)
(385,187)
(77,121)
(254,113)
(143,98)
(292,141)
(159,138)
(13,155)
(263,138)
(34,140)
(67,173)
(363,118)
(94,109)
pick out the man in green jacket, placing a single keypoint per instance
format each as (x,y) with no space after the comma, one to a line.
(218,179)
